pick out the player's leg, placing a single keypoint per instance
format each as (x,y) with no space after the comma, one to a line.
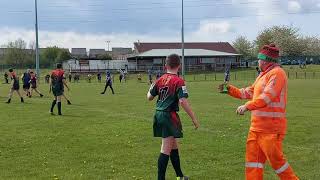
(31,92)
(54,102)
(111,88)
(271,145)
(59,104)
(10,95)
(163,160)
(37,91)
(21,98)
(175,158)
(105,88)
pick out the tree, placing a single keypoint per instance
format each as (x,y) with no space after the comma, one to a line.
(63,56)
(244,47)
(287,38)
(16,53)
(312,45)
(54,54)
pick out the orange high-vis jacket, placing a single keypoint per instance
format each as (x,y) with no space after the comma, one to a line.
(268,100)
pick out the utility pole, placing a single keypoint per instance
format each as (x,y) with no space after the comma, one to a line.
(108,42)
(182,40)
(37,39)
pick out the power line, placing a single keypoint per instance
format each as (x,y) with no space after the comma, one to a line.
(161,7)
(204,17)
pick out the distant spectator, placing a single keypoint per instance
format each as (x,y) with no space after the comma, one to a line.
(99,77)
(89,78)
(47,78)
(6,79)
(139,77)
(70,77)
(227,76)
(158,74)
(150,76)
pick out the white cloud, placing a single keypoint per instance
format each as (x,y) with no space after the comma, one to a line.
(73,39)
(294,6)
(208,31)
(209,27)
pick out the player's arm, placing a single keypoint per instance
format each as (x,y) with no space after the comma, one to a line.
(187,108)
(50,85)
(152,93)
(65,84)
(183,95)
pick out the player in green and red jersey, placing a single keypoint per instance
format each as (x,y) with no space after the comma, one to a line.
(58,81)
(15,86)
(171,92)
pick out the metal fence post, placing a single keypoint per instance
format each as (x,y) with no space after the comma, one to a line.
(296,75)
(305,75)
(205,77)
(235,76)
(215,76)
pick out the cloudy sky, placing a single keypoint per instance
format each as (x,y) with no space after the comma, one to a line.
(90,23)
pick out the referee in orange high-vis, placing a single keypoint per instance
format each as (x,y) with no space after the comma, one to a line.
(267,103)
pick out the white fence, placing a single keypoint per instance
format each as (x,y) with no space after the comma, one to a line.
(98,65)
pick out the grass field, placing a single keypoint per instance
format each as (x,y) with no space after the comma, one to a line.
(110,136)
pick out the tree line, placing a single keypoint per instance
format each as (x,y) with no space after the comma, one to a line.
(17,54)
(289,39)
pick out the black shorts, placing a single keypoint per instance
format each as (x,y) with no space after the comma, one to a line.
(15,87)
(26,86)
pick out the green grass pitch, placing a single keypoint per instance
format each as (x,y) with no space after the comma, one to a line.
(110,136)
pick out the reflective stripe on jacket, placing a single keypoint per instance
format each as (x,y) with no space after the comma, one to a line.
(268,100)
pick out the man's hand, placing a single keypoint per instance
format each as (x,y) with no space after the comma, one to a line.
(196,124)
(221,88)
(241,110)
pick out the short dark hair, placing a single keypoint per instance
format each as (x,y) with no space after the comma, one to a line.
(59,65)
(173,60)
(10,70)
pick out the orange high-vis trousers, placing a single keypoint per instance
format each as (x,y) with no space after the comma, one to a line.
(261,147)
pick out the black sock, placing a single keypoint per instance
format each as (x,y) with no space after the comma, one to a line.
(59,108)
(175,160)
(162,166)
(9,100)
(22,99)
(52,105)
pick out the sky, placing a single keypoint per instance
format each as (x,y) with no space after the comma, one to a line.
(91,23)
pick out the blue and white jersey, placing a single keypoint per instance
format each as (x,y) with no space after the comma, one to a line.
(108,78)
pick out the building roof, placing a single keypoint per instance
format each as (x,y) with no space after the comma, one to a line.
(187,53)
(79,51)
(214,46)
(97,51)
